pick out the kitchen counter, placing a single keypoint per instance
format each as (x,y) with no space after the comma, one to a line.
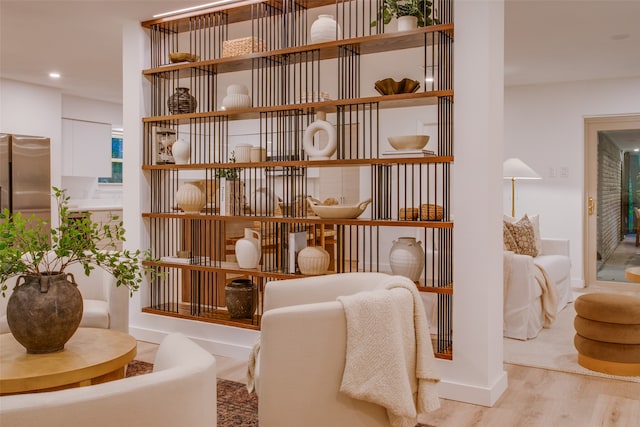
(83,205)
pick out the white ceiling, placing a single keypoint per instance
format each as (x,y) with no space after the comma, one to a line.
(545,41)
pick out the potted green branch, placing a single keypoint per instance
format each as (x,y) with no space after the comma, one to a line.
(418,12)
(45,307)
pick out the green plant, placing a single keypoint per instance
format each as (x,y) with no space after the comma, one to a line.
(29,247)
(231,173)
(421,9)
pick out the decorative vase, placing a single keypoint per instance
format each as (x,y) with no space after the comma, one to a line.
(407,258)
(319,152)
(243,153)
(232,200)
(181,152)
(182,102)
(407,23)
(263,202)
(248,250)
(313,260)
(44,311)
(190,198)
(325,29)
(240,296)
(237,97)
(258,154)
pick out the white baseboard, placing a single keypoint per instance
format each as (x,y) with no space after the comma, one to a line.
(468,393)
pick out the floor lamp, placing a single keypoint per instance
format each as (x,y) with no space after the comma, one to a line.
(517,169)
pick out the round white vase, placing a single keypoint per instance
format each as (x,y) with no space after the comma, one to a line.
(407,258)
(325,29)
(248,249)
(237,97)
(407,23)
(190,198)
(317,152)
(181,152)
(313,260)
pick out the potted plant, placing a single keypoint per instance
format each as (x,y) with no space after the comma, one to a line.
(419,9)
(39,255)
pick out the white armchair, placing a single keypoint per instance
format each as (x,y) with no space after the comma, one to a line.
(181,391)
(301,361)
(524,285)
(105,305)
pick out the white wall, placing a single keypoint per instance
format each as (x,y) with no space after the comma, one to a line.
(544,126)
(91,110)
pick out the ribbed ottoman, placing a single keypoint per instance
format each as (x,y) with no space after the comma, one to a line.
(608,333)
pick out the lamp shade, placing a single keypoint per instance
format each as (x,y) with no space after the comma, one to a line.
(517,169)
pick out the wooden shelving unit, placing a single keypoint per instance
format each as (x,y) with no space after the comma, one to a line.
(279,79)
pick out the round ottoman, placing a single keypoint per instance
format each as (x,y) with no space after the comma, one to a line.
(608,333)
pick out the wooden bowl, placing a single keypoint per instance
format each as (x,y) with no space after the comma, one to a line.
(183,57)
(389,86)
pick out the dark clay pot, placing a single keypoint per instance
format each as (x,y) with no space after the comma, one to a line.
(43,312)
(240,296)
(182,102)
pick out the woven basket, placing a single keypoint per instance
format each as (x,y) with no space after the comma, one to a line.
(429,212)
(242,46)
(408,214)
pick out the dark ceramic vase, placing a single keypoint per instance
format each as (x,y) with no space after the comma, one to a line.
(182,102)
(240,297)
(44,311)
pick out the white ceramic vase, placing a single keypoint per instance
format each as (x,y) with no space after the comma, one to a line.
(237,97)
(313,260)
(181,152)
(407,258)
(263,202)
(407,23)
(248,250)
(325,29)
(190,198)
(243,153)
(317,151)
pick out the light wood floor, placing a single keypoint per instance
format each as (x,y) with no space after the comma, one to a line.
(535,398)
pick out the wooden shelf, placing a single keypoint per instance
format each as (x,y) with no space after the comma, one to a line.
(365,45)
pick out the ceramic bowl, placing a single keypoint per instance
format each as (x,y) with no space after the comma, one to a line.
(182,57)
(408,142)
(338,211)
(389,86)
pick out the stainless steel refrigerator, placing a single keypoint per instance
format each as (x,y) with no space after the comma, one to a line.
(25,175)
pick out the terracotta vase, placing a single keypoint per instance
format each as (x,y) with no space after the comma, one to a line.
(44,311)
(407,258)
(240,296)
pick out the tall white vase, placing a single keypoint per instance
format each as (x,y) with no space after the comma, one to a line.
(248,250)
(325,29)
(190,198)
(407,258)
(181,152)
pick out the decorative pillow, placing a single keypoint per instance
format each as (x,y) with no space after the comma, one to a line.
(535,221)
(508,240)
(524,236)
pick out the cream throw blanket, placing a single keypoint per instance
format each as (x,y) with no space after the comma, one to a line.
(389,358)
(549,296)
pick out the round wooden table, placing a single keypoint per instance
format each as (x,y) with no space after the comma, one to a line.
(91,356)
(633,274)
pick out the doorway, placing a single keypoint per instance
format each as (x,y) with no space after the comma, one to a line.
(612,182)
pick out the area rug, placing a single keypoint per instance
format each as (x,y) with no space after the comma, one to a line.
(553,349)
(236,407)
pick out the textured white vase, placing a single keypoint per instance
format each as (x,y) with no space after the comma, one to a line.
(316,151)
(407,23)
(243,153)
(325,29)
(248,250)
(313,260)
(237,97)
(181,152)
(190,198)
(407,258)
(263,202)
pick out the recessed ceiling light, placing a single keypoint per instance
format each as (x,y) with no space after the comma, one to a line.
(54,75)
(636,149)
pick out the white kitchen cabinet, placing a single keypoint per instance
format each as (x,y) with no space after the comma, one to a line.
(86,148)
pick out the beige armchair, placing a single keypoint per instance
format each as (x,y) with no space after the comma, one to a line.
(181,391)
(303,345)
(105,305)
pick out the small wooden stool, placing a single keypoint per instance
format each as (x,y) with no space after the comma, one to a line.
(608,333)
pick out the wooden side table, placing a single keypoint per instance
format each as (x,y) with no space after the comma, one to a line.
(91,356)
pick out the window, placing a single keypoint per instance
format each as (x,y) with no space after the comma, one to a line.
(116,161)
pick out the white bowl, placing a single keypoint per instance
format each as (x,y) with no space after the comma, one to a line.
(408,142)
(337,211)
